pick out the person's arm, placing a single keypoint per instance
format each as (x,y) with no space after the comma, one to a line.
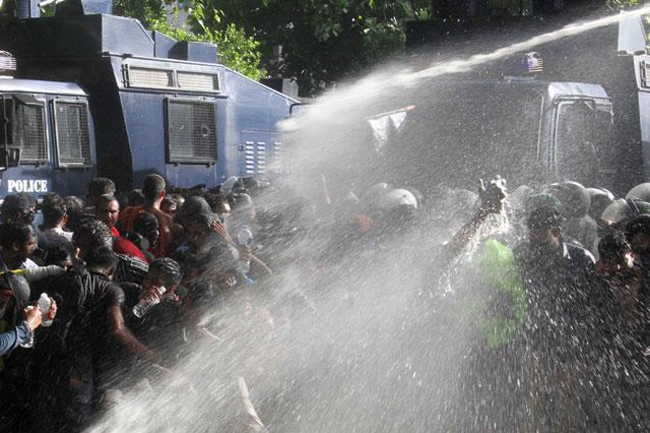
(12,338)
(41,272)
(491,202)
(123,334)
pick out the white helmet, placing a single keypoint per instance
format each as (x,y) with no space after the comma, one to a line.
(398,197)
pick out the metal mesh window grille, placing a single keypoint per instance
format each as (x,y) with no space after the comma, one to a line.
(72,137)
(198,82)
(30,137)
(150,78)
(192,132)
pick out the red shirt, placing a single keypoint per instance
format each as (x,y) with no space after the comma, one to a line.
(124,246)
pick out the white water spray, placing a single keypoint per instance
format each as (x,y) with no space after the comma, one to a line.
(377,84)
(331,381)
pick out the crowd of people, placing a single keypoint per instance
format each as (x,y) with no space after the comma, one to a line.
(95,292)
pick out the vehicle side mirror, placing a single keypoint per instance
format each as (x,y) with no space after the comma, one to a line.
(9,157)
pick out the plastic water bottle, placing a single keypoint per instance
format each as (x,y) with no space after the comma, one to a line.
(145,304)
(244,238)
(44,304)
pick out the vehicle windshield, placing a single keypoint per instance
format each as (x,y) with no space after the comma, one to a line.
(582,135)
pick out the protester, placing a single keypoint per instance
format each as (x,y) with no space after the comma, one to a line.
(153,189)
(552,341)
(17,208)
(96,188)
(108,211)
(55,218)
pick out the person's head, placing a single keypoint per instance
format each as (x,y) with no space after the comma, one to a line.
(196,217)
(90,235)
(153,188)
(615,255)
(17,208)
(544,227)
(219,205)
(59,256)
(107,210)
(637,233)
(18,241)
(98,187)
(55,212)
(135,198)
(163,272)
(75,211)
(242,206)
(146,224)
(102,260)
(179,199)
(168,205)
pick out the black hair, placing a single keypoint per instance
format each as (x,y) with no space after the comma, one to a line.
(135,198)
(75,210)
(106,198)
(638,224)
(54,209)
(92,234)
(54,255)
(100,186)
(216,200)
(144,222)
(152,187)
(613,245)
(168,270)
(11,233)
(101,258)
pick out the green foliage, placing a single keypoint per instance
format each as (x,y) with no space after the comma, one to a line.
(323,40)
(236,50)
(147,11)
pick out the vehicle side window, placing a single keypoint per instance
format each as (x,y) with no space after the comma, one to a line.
(191,132)
(30,133)
(72,133)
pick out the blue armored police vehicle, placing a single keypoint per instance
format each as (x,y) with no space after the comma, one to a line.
(86,93)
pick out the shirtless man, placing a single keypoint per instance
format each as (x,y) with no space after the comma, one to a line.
(153,189)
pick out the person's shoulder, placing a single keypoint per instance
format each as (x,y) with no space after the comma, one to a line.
(576,252)
(162,216)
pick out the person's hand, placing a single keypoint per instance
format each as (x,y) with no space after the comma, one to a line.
(492,195)
(33,317)
(51,314)
(220,229)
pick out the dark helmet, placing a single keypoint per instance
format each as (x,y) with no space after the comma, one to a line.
(640,192)
(537,201)
(622,210)
(573,196)
(599,200)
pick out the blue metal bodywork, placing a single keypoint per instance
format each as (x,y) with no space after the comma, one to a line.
(148,94)
(48,175)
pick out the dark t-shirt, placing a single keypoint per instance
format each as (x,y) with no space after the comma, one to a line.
(83,299)
(562,299)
